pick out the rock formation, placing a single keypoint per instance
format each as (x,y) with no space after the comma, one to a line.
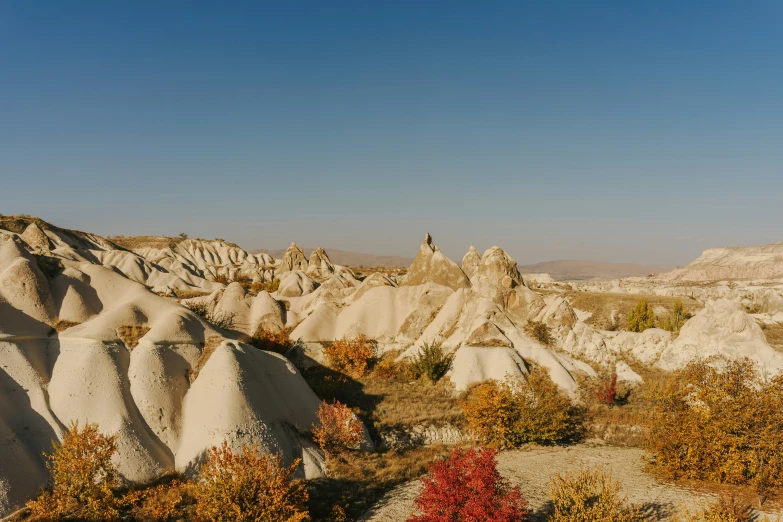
(320,266)
(431,266)
(293,259)
(471,261)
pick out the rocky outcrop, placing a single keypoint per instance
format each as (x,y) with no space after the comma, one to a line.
(432,266)
(293,259)
(36,238)
(320,266)
(295,284)
(471,262)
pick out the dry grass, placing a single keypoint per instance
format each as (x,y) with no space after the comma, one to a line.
(210,346)
(601,304)
(357,483)
(774,335)
(61,326)
(130,335)
(189,294)
(133,242)
(385,405)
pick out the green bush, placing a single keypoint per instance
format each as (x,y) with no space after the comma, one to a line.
(431,362)
(641,317)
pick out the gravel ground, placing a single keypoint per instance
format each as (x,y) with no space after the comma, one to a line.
(532,468)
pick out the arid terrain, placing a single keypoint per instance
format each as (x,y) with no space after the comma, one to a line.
(176,345)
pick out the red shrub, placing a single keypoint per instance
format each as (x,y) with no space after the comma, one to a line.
(608,393)
(468,488)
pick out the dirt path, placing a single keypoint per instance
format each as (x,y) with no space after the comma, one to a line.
(531,469)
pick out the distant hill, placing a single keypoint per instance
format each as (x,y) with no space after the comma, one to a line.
(582,270)
(345,258)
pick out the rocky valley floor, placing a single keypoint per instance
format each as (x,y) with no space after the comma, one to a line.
(532,468)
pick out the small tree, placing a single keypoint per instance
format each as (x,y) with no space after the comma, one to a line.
(431,362)
(338,430)
(641,317)
(248,486)
(183,235)
(467,487)
(589,496)
(607,393)
(676,319)
(83,477)
(351,356)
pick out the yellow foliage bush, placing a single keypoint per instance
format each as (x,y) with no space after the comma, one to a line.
(589,495)
(164,502)
(248,486)
(515,411)
(351,356)
(390,369)
(83,478)
(641,317)
(723,425)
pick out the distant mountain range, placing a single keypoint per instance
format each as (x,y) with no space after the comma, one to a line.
(581,270)
(559,270)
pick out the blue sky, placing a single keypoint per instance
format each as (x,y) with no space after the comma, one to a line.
(615,131)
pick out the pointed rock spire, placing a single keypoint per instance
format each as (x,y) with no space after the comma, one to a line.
(293,259)
(431,266)
(471,261)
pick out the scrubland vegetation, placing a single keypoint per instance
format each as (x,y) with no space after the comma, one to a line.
(718,427)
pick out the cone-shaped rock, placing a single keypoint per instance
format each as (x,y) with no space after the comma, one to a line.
(471,261)
(320,266)
(431,265)
(293,259)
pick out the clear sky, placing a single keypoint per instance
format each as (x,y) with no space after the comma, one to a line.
(607,130)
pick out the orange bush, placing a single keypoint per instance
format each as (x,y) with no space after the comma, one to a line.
(277,342)
(723,425)
(338,430)
(84,479)
(351,356)
(248,486)
(165,502)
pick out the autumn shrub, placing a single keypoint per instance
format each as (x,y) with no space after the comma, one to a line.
(515,411)
(722,424)
(351,356)
(338,429)
(277,342)
(641,317)
(724,509)
(589,495)
(674,321)
(83,478)
(261,286)
(467,487)
(164,502)
(607,392)
(431,362)
(389,368)
(539,331)
(248,486)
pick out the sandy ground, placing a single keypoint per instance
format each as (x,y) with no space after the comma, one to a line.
(531,469)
